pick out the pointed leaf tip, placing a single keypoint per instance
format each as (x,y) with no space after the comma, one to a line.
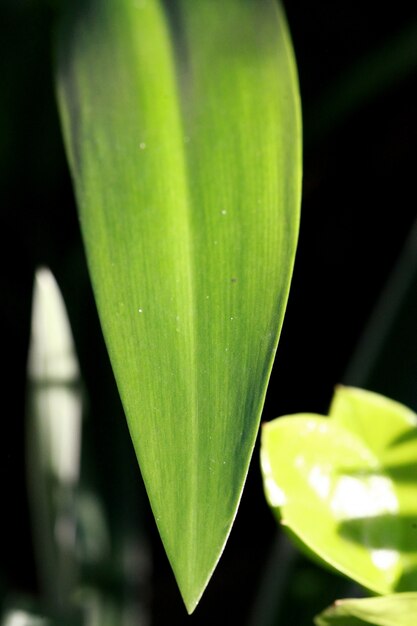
(184,141)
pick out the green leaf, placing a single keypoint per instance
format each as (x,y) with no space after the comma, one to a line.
(182,126)
(395,610)
(345,486)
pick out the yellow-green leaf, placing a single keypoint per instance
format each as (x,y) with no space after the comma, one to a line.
(399,609)
(345,486)
(182,126)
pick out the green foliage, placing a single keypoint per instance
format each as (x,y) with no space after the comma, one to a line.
(344,485)
(393,610)
(87,514)
(184,142)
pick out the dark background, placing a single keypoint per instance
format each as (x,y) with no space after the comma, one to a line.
(357,69)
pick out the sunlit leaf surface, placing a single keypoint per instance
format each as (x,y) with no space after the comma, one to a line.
(182,126)
(394,610)
(345,486)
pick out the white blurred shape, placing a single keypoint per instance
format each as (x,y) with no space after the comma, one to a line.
(52,354)
(55,375)
(363,497)
(21,618)
(384,558)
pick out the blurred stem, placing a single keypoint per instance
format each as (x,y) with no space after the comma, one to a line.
(368,78)
(274,582)
(386,356)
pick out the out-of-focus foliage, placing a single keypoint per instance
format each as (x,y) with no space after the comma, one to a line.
(345,486)
(393,610)
(358,209)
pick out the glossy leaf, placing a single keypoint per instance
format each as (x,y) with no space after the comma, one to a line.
(394,610)
(345,486)
(182,127)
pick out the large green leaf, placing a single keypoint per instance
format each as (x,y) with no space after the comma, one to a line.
(182,126)
(345,486)
(399,609)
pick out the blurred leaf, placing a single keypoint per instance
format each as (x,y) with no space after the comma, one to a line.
(182,126)
(342,486)
(54,417)
(394,610)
